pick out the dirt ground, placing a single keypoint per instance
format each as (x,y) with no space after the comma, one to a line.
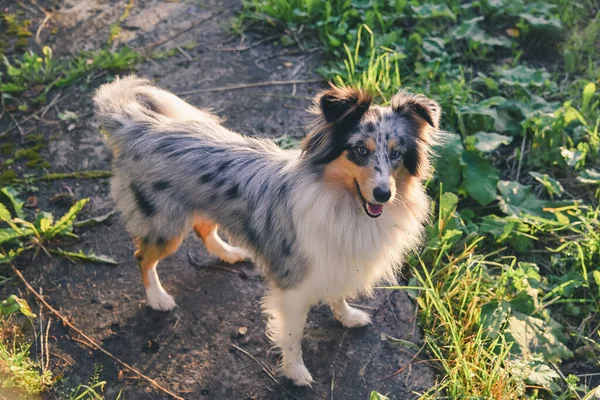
(190,351)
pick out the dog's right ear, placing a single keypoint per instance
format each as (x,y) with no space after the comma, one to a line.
(339,109)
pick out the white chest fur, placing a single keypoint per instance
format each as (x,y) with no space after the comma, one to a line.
(349,252)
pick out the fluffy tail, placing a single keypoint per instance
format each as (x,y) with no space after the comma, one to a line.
(131,102)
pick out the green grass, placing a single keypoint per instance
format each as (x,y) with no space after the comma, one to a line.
(510,276)
(26,78)
(20,376)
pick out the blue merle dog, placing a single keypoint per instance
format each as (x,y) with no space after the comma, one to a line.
(324,223)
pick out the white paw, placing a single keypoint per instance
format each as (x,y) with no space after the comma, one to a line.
(235,255)
(298,374)
(160,300)
(354,318)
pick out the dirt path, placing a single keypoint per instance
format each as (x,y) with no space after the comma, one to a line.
(190,350)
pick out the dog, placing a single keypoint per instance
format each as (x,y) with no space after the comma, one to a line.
(324,223)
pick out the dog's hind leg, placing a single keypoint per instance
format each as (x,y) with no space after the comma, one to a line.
(148,256)
(349,317)
(207,230)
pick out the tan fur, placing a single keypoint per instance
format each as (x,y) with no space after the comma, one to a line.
(149,255)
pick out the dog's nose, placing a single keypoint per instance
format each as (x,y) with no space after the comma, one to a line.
(382,194)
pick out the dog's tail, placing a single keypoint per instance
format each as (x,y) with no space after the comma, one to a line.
(128,105)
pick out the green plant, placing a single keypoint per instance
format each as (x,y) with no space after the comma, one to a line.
(19,374)
(41,73)
(93,390)
(21,235)
(512,262)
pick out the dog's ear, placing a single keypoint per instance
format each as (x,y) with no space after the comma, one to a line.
(424,115)
(338,111)
(417,106)
(343,105)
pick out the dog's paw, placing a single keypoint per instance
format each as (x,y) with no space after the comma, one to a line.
(160,300)
(354,318)
(298,374)
(235,255)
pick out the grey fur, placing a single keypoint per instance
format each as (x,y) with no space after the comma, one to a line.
(198,167)
(172,166)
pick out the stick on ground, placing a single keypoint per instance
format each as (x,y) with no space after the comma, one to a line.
(248,85)
(91,342)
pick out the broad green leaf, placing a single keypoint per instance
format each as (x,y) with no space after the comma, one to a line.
(518,200)
(377,396)
(588,93)
(94,220)
(449,163)
(542,375)
(86,257)
(4,213)
(530,335)
(543,22)
(65,224)
(11,194)
(572,157)
(590,176)
(479,178)
(485,39)
(448,203)
(487,142)
(523,76)
(433,11)
(43,221)
(467,28)
(10,234)
(15,304)
(553,187)
(533,335)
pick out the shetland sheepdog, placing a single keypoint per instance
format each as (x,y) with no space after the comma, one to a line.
(324,223)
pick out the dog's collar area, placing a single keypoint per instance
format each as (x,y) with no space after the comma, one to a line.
(371,209)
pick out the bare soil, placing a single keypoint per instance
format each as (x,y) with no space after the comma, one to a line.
(190,351)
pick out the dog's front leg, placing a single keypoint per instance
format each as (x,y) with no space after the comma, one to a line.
(287,311)
(349,317)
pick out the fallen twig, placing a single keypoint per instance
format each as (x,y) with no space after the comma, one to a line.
(244,48)
(89,341)
(189,28)
(403,368)
(196,263)
(17,124)
(40,28)
(249,85)
(265,369)
(91,174)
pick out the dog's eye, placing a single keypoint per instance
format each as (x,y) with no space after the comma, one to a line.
(395,154)
(362,150)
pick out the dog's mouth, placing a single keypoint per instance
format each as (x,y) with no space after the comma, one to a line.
(371,209)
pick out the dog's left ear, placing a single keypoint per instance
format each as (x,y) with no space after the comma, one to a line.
(338,110)
(425,113)
(419,106)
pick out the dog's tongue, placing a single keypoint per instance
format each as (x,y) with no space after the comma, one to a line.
(375,209)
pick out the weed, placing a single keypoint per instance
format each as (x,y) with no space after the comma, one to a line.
(40,73)
(511,266)
(19,375)
(21,235)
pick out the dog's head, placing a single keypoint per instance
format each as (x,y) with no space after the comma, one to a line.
(368,148)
